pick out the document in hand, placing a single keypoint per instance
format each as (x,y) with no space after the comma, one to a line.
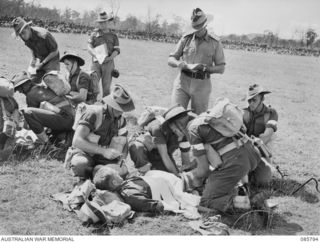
(101,52)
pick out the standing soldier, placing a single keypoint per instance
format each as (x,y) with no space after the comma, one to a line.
(202,55)
(43,47)
(103,45)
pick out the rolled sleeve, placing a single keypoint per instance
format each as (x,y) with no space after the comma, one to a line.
(116,46)
(196,142)
(273,120)
(178,52)
(219,58)
(88,119)
(84,82)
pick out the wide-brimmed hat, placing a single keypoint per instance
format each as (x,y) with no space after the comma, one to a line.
(254,90)
(198,19)
(20,79)
(174,113)
(19,24)
(119,99)
(103,17)
(72,55)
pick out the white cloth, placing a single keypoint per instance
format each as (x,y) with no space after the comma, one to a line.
(168,188)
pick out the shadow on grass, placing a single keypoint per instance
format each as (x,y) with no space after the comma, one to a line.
(285,187)
(259,222)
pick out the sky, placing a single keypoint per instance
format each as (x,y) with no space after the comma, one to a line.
(283,17)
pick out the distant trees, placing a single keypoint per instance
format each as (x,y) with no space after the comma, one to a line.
(153,24)
(311,35)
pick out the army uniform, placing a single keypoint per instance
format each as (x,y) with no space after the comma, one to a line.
(83,163)
(256,124)
(196,87)
(42,43)
(142,155)
(104,70)
(238,158)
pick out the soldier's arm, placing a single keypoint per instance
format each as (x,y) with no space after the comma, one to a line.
(163,151)
(91,50)
(50,57)
(271,126)
(52,46)
(218,59)
(174,57)
(80,96)
(90,45)
(266,136)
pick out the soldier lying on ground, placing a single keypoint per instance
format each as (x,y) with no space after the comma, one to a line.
(155,192)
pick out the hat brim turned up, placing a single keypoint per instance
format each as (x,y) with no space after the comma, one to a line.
(255,94)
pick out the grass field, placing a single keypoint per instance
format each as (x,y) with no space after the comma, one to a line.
(26,185)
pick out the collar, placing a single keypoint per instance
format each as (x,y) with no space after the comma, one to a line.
(109,115)
(205,37)
(264,110)
(32,37)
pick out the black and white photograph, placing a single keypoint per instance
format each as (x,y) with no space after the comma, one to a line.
(158,118)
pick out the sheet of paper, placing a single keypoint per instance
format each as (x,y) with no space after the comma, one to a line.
(101,52)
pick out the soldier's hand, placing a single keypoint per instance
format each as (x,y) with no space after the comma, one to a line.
(33,62)
(111,154)
(182,65)
(107,59)
(39,65)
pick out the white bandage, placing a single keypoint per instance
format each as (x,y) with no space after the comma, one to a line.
(184,145)
(273,122)
(198,147)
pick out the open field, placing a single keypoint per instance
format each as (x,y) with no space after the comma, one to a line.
(25,186)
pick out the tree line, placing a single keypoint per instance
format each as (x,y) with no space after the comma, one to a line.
(305,38)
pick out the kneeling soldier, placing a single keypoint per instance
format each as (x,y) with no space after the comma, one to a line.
(96,130)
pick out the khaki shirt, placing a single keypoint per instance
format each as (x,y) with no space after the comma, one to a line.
(42,43)
(256,123)
(110,39)
(201,133)
(207,50)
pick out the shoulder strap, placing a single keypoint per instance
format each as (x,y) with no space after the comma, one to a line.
(77,82)
(4,110)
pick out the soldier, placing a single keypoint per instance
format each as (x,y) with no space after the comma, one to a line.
(202,55)
(43,46)
(45,108)
(155,146)
(81,86)
(233,158)
(261,121)
(102,42)
(95,130)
